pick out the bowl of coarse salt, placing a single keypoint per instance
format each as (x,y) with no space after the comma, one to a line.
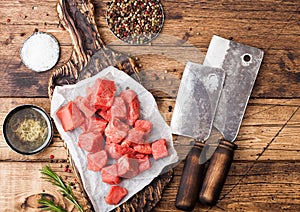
(40,52)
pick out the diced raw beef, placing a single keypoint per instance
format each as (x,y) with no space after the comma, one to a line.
(139,156)
(70,116)
(126,143)
(83,103)
(96,161)
(105,114)
(110,174)
(116,131)
(127,167)
(116,151)
(113,150)
(104,91)
(128,95)
(118,109)
(90,141)
(133,105)
(96,125)
(144,125)
(135,136)
(144,164)
(115,195)
(127,150)
(110,140)
(159,149)
(143,148)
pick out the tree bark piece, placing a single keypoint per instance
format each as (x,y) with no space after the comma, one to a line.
(89,57)
(77,17)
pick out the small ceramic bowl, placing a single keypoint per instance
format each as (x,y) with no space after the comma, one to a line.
(27,129)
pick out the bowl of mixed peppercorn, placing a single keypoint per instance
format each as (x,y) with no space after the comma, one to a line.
(136,22)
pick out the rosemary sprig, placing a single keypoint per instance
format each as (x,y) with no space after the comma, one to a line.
(50,206)
(66,191)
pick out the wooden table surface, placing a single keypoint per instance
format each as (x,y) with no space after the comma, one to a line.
(265,175)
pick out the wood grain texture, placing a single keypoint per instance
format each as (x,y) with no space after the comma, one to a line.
(270,25)
(265,173)
(90,56)
(266,186)
(24,196)
(267,158)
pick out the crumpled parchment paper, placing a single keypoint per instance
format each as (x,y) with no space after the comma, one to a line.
(92,182)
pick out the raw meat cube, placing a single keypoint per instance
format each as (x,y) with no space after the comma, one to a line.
(110,174)
(110,140)
(135,136)
(118,109)
(116,151)
(96,125)
(104,94)
(139,156)
(144,164)
(127,150)
(115,195)
(128,95)
(133,105)
(83,103)
(105,114)
(143,148)
(127,167)
(90,141)
(126,143)
(96,161)
(159,149)
(143,125)
(113,150)
(70,116)
(116,131)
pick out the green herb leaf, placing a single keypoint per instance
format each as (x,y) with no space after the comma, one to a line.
(67,191)
(48,205)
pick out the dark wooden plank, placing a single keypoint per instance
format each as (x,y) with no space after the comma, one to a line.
(24,196)
(270,25)
(259,186)
(266,186)
(263,120)
(247,187)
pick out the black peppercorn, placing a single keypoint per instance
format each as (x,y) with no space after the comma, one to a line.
(135,21)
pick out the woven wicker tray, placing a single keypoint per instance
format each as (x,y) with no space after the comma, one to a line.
(77,17)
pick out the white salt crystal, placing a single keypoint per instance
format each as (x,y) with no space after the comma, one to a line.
(40,52)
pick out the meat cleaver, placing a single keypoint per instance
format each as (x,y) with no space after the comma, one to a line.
(241,64)
(193,115)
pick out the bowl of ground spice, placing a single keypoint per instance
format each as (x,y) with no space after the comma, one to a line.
(27,129)
(136,22)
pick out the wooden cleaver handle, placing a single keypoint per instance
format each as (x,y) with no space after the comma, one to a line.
(217,172)
(191,179)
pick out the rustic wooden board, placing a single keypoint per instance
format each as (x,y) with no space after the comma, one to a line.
(275,188)
(264,175)
(270,25)
(24,196)
(272,123)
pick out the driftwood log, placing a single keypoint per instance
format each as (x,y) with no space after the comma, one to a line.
(90,55)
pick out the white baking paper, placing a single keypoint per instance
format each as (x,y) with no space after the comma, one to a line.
(92,182)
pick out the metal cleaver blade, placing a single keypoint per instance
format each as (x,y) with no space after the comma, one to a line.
(241,64)
(197,100)
(193,116)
